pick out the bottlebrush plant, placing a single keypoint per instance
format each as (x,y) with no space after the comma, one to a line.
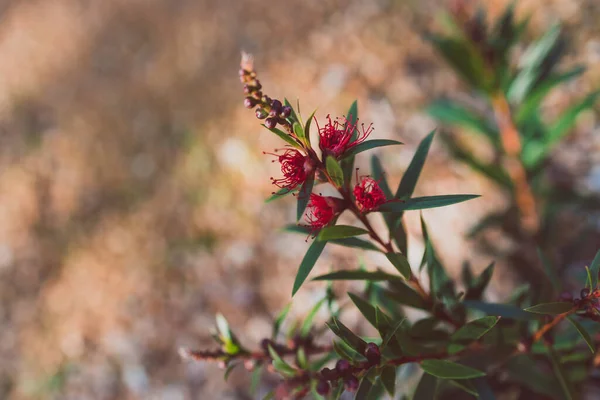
(539,344)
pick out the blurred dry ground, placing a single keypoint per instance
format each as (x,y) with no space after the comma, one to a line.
(132,179)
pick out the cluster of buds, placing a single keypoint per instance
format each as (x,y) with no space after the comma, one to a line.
(271,110)
(588,302)
(347,372)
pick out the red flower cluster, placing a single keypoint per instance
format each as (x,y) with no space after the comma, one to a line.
(368,194)
(321,210)
(335,137)
(295,167)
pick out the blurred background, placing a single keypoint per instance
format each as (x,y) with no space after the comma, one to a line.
(132,179)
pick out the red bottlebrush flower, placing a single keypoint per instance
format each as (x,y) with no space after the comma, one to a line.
(368,194)
(295,167)
(322,210)
(335,137)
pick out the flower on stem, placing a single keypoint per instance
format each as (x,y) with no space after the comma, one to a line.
(295,167)
(322,210)
(368,194)
(336,137)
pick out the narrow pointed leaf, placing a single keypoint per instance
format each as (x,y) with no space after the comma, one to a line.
(452,113)
(347,336)
(279,320)
(450,370)
(479,285)
(347,164)
(392,332)
(304,197)
(561,375)
(334,171)
(426,388)
(307,264)
(307,324)
(365,308)
(365,387)
(293,116)
(356,243)
(470,332)
(584,334)
(340,232)
(411,176)
(357,275)
(285,136)
(388,378)
(281,193)
(421,203)
(595,268)
(401,263)
(307,127)
(368,145)
(380,176)
(550,270)
(551,308)
(279,364)
(405,295)
(501,310)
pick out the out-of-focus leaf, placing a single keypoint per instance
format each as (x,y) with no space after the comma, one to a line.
(334,171)
(403,294)
(347,164)
(452,113)
(584,334)
(379,175)
(340,232)
(426,388)
(450,370)
(365,308)
(530,64)
(551,308)
(561,375)
(476,289)
(470,332)
(550,271)
(523,369)
(388,377)
(464,385)
(304,196)
(270,395)
(307,324)
(228,370)
(400,262)
(588,282)
(483,389)
(347,335)
(255,379)
(279,320)
(421,203)
(281,193)
(501,310)
(357,275)
(595,269)
(280,365)
(533,101)
(368,145)
(285,136)
(307,264)
(412,173)
(567,119)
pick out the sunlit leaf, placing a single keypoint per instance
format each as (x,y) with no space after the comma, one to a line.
(340,232)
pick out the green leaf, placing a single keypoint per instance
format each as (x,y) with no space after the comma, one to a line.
(483,389)
(588,282)
(347,336)
(392,333)
(280,365)
(560,375)
(307,127)
(550,271)
(307,264)
(365,308)
(352,115)
(501,310)
(421,203)
(464,385)
(478,286)
(452,113)
(304,197)
(567,119)
(400,262)
(279,320)
(584,334)
(464,58)
(307,324)
(368,145)
(426,388)
(450,370)
(403,294)
(470,332)
(334,171)
(365,387)
(340,232)
(380,176)
(228,371)
(293,116)
(357,275)
(595,268)
(281,193)
(355,243)
(299,131)
(348,163)
(255,379)
(551,308)
(412,173)
(388,378)
(285,136)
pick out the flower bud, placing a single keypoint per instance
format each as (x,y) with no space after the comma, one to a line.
(249,102)
(270,123)
(343,367)
(286,111)
(323,387)
(372,353)
(329,374)
(261,114)
(351,383)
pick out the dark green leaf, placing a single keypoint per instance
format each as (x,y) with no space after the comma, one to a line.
(421,203)
(449,370)
(412,173)
(228,370)
(426,388)
(307,127)
(368,145)
(561,375)
(388,377)
(392,332)
(464,385)
(281,193)
(279,320)
(380,176)
(551,308)
(550,271)
(452,113)
(595,268)
(501,310)
(285,136)
(365,387)
(347,336)
(307,324)
(584,334)
(356,243)
(588,282)
(348,163)
(479,285)
(470,332)
(483,389)
(357,275)
(307,264)
(365,308)
(334,171)
(340,232)
(464,58)
(400,262)
(352,116)
(304,197)
(403,294)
